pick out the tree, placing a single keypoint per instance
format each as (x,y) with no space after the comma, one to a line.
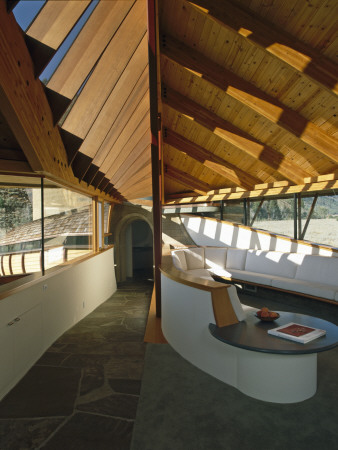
(15,208)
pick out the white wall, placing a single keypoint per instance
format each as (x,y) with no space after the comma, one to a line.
(211,232)
(44,311)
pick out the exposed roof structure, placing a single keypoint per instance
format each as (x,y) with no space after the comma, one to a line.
(247,97)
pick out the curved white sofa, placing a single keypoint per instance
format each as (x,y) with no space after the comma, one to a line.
(187,310)
(310,275)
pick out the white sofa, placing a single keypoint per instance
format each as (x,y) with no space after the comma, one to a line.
(310,275)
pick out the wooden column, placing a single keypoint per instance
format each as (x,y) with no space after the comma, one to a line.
(155,150)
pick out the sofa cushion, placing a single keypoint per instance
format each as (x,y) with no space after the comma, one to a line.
(215,257)
(273,263)
(252,277)
(194,257)
(179,261)
(305,287)
(200,273)
(319,269)
(236,258)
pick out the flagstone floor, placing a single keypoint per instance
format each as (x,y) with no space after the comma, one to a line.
(83,392)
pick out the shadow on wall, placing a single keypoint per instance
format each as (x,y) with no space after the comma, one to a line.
(213,232)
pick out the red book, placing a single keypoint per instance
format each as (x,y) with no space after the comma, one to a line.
(297,332)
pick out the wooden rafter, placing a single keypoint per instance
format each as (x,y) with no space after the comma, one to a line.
(235,136)
(287,49)
(269,192)
(208,159)
(249,95)
(185,179)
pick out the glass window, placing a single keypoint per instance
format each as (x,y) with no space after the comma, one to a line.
(322,227)
(67,224)
(20,227)
(275,215)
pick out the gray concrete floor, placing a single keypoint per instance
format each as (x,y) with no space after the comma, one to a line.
(83,392)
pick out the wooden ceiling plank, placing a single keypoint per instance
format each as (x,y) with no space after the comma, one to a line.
(81,165)
(235,136)
(88,46)
(136,102)
(139,177)
(135,144)
(213,162)
(133,164)
(112,107)
(12,154)
(286,48)
(186,179)
(141,190)
(135,120)
(129,155)
(105,75)
(302,188)
(252,97)
(55,20)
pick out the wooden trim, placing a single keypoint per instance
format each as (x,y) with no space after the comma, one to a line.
(153,333)
(313,297)
(95,225)
(301,188)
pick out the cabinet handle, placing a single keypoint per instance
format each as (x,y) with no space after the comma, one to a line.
(12,322)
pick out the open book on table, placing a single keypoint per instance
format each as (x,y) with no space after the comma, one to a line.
(297,332)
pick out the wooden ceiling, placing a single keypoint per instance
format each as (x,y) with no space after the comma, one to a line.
(249,91)
(247,97)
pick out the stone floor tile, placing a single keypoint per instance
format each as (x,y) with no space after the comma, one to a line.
(125,386)
(44,391)
(115,405)
(26,434)
(92,432)
(92,378)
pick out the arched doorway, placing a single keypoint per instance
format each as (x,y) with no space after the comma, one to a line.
(133,236)
(139,250)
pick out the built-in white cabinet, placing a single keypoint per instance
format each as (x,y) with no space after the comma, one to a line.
(20,343)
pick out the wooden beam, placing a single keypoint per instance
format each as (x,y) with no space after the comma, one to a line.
(185,179)
(208,159)
(24,104)
(11,166)
(299,56)
(287,190)
(234,136)
(267,106)
(156,150)
(55,20)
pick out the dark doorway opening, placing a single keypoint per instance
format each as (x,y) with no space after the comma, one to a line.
(142,250)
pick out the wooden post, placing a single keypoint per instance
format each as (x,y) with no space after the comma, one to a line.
(155,150)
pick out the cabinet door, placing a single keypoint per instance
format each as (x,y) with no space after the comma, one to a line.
(6,357)
(27,339)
